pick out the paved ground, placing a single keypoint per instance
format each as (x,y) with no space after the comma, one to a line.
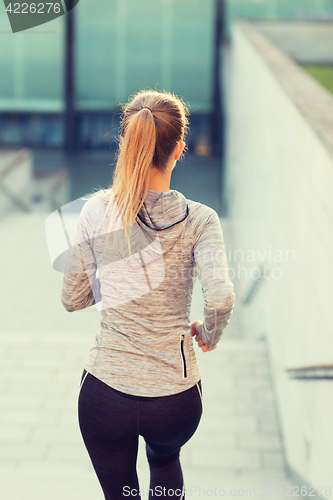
(43,347)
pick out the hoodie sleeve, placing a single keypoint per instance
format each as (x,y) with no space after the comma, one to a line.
(217,287)
(81,286)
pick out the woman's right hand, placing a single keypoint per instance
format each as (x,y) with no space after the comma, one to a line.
(194,331)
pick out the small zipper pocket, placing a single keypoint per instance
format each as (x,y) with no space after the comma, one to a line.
(183,355)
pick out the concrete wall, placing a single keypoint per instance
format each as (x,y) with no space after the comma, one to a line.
(280,185)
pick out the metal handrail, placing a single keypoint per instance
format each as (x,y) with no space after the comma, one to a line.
(312,372)
(23,154)
(253,290)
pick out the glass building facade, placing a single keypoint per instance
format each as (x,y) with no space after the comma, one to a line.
(121,46)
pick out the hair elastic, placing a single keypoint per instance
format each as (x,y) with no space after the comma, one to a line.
(146,107)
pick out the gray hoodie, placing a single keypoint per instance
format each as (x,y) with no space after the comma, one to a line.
(144,345)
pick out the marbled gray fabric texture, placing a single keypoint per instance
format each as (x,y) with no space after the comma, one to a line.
(144,345)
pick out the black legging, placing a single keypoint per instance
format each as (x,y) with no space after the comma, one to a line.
(111,422)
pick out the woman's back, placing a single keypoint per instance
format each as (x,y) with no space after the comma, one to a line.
(144,345)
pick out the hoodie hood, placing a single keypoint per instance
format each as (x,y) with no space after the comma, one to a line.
(163,210)
(159,223)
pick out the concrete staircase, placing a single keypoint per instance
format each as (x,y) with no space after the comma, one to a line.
(23,190)
(237,446)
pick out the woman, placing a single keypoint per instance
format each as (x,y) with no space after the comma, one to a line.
(142,377)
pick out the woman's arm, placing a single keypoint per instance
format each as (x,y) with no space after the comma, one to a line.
(81,286)
(217,288)
(80,290)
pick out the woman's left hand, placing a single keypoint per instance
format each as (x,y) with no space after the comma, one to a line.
(194,331)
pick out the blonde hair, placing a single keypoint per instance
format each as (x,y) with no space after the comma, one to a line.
(148,137)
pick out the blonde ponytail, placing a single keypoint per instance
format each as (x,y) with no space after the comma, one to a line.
(153,124)
(133,166)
